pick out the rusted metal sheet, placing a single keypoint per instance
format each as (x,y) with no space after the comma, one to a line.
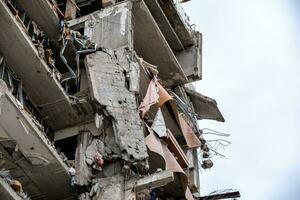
(155,145)
(191,139)
(177,150)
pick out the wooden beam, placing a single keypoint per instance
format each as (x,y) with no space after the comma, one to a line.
(71,8)
(106,3)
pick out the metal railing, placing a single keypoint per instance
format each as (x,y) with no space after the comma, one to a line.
(184,17)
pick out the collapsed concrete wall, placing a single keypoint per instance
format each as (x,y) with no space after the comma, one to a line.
(103,84)
(110,82)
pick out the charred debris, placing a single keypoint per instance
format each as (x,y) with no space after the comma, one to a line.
(96,101)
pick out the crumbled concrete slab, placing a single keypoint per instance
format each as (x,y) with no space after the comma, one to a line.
(109,28)
(205,107)
(109,188)
(109,87)
(191,59)
(83,175)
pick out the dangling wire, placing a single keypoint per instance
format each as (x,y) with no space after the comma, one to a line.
(213,132)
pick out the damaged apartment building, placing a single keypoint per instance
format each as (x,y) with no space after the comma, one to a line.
(97,101)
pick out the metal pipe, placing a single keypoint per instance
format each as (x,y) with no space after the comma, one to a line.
(61,54)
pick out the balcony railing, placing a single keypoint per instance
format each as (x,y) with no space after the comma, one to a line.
(183,15)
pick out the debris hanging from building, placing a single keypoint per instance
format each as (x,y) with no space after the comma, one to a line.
(96,101)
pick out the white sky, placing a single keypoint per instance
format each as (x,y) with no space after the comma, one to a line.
(251,66)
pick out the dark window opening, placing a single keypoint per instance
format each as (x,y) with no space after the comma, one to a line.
(67,146)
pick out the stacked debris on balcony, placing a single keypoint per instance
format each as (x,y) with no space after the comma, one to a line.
(96,101)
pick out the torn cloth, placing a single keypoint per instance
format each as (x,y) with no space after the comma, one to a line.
(150,98)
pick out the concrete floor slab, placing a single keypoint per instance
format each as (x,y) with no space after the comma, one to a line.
(39,161)
(43,89)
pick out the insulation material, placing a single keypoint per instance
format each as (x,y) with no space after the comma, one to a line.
(159,125)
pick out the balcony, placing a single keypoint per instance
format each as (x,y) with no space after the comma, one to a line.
(28,154)
(40,83)
(174,22)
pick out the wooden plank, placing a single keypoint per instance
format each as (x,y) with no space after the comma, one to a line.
(71,8)
(106,3)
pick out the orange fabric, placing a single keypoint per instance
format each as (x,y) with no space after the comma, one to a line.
(164,96)
(191,139)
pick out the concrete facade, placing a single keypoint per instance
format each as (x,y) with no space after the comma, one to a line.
(96,101)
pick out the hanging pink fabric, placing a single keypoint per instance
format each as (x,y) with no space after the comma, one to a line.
(150,98)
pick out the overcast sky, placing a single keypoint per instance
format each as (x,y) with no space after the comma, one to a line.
(251,66)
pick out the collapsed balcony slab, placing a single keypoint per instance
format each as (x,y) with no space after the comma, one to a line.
(40,84)
(205,107)
(164,25)
(43,13)
(191,59)
(178,19)
(151,45)
(32,157)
